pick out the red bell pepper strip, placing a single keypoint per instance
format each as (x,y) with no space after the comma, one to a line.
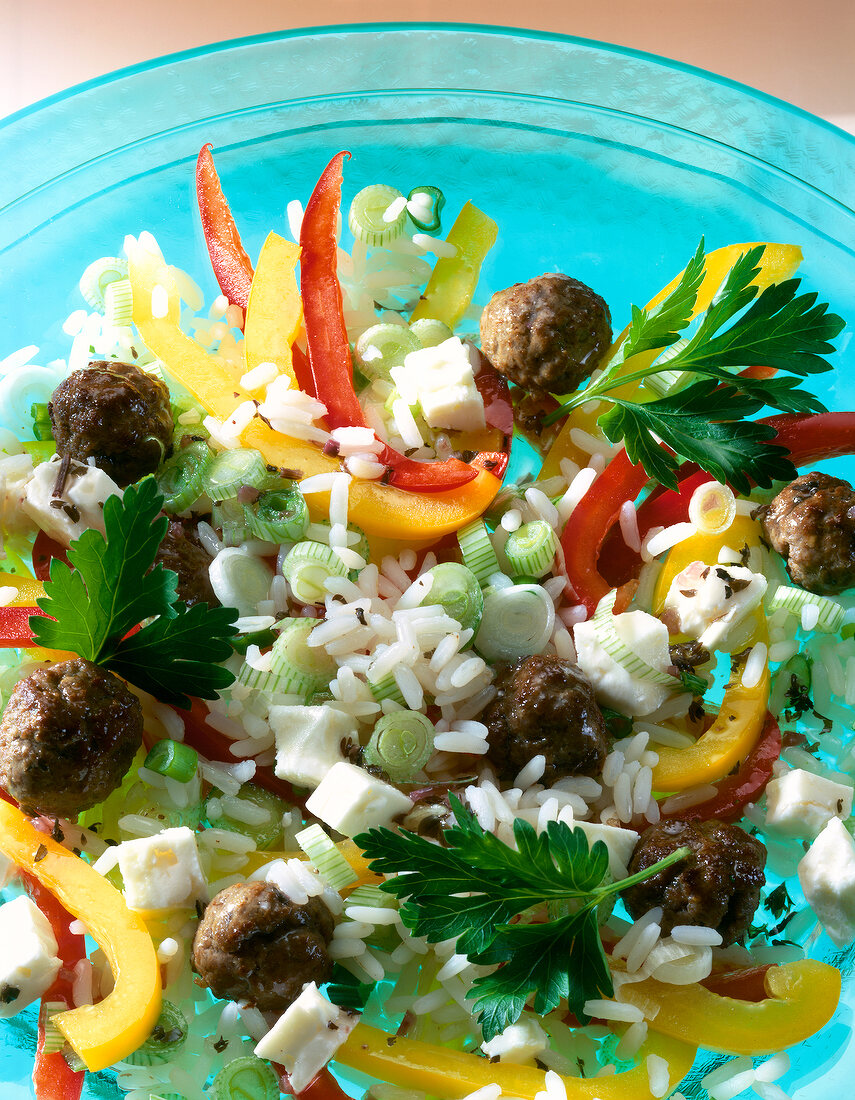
(232,267)
(45,549)
(322,1087)
(747,785)
(15,632)
(595,513)
(53,1078)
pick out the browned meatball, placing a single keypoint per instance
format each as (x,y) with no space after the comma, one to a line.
(254,944)
(546,334)
(811,524)
(718,886)
(183,553)
(115,414)
(68,735)
(545,706)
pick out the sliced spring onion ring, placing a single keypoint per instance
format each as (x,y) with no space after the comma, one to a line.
(372,896)
(248,1077)
(119,303)
(307,566)
(429,332)
(229,518)
(795,600)
(668,380)
(253,802)
(401,744)
(617,648)
(173,759)
(168,1036)
(98,276)
(386,688)
(42,425)
(424,205)
(240,579)
(372,218)
(477,550)
(712,508)
(326,857)
(279,515)
(319,531)
(382,347)
(294,662)
(531,549)
(181,478)
(456,588)
(54,1040)
(517,621)
(233,469)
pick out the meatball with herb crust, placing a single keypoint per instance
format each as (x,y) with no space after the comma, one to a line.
(545,706)
(68,735)
(547,334)
(254,944)
(183,553)
(716,886)
(115,414)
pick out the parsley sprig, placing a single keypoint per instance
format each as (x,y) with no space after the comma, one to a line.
(706,421)
(113,585)
(473,886)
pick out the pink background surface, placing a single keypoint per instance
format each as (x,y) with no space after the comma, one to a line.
(798,51)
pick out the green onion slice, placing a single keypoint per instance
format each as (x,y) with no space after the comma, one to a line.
(54,1040)
(455,588)
(401,744)
(233,469)
(173,759)
(306,568)
(260,814)
(387,688)
(181,478)
(320,532)
(795,600)
(168,1036)
(517,621)
(372,896)
(477,550)
(279,515)
(424,205)
(382,347)
(247,1078)
(531,548)
(617,648)
(119,303)
(98,276)
(295,663)
(42,425)
(429,331)
(326,857)
(372,221)
(230,519)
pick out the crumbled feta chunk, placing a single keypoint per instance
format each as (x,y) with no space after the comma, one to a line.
(801,804)
(162,871)
(81,505)
(308,741)
(441,380)
(708,600)
(306,1036)
(827,875)
(520,1042)
(613,684)
(28,955)
(620,843)
(350,800)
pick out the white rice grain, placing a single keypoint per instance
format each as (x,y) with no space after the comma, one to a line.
(658,1075)
(755,666)
(628,519)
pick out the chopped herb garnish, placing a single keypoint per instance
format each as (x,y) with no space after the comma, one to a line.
(41,852)
(114,586)
(474,885)
(779,902)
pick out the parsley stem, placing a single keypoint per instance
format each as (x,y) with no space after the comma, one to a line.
(640,876)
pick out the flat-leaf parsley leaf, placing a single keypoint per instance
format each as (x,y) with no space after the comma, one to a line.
(113,585)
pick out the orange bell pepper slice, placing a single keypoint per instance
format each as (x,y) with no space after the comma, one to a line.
(104,1033)
(450,1074)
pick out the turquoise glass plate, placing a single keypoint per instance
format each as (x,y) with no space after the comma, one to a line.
(601,162)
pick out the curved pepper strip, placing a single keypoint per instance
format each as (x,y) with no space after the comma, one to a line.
(107,1032)
(450,1074)
(801,997)
(15,615)
(778,262)
(274,312)
(232,267)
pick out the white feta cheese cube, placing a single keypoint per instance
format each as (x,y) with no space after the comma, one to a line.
(350,800)
(827,875)
(520,1043)
(801,804)
(81,505)
(306,1036)
(28,955)
(308,741)
(709,600)
(620,843)
(162,871)
(613,685)
(441,379)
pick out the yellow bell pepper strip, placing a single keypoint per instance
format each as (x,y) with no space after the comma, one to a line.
(742,715)
(110,1030)
(452,283)
(275,311)
(778,262)
(801,998)
(450,1074)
